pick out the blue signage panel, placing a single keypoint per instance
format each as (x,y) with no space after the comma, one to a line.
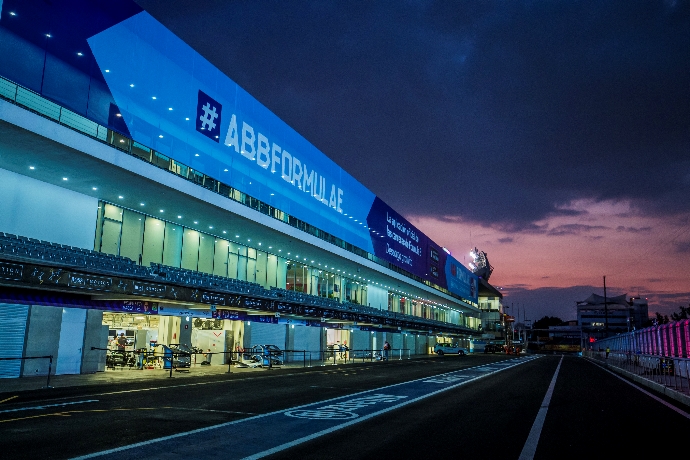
(396,240)
(175,101)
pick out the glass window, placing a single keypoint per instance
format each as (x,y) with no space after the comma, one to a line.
(290,275)
(132,235)
(141,151)
(99,227)
(220,258)
(190,249)
(233,260)
(206,253)
(172,245)
(113,212)
(261,273)
(301,278)
(281,273)
(237,256)
(272,270)
(110,241)
(337,287)
(313,284)
(160,160)
(251,265)
(154,231)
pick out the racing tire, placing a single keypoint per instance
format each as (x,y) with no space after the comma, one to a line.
(440,352)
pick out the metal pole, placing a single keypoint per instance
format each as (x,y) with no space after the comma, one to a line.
(606,312)
(50,367)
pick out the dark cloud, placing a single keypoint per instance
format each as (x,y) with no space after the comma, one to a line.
(534,304)
(574,229)
(681,247)
(507,239)
(561,302)
(499,112)
(621,228)
(667,303)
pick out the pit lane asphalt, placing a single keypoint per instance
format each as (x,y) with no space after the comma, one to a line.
(591,413)
(80,419)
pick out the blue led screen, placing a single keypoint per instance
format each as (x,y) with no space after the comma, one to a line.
(114,63)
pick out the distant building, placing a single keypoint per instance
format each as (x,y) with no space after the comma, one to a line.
(490,310)
(493,321)
(599,316)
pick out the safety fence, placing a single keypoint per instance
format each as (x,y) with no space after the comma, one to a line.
(173,359)
(670,372)
(670,340)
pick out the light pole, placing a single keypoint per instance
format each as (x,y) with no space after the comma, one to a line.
(606,312)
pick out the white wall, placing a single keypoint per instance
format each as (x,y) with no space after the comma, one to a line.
(47,212)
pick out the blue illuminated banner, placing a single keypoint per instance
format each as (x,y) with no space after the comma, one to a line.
(175,101)
(399,242)
(115,64)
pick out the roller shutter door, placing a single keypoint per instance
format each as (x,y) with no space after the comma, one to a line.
(12,331)
(268,334)
(396,344)
(309,339)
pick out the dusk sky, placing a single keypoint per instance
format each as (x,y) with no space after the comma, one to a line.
(553,135)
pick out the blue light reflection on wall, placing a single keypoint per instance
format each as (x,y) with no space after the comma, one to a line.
(43,47)
(166,73)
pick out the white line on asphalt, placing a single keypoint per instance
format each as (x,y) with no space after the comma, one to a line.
(658,399)
(530,447)
(375,414)
(47,406)
(163,387)
(285,446)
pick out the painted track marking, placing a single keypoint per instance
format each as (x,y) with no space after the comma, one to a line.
(288,431)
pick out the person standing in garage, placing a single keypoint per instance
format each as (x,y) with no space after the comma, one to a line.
(121,342)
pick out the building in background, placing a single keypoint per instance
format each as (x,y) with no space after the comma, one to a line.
(600,316)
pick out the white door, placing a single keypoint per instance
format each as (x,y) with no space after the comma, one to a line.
(71,341)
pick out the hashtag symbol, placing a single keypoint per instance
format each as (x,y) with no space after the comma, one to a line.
(208,118)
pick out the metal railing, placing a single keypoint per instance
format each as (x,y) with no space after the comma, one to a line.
(670,372)
(170,360)
(363,355)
